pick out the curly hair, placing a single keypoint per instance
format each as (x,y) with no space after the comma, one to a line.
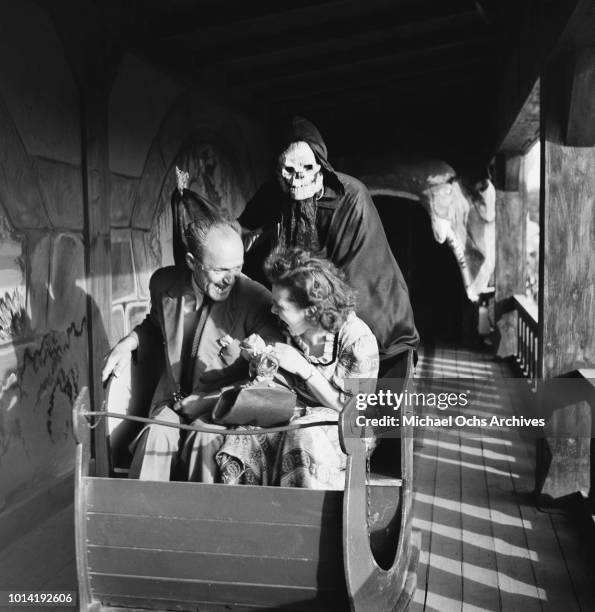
(312,281)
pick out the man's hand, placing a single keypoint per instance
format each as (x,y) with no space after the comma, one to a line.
(196,405)
(291,360)
(119,357)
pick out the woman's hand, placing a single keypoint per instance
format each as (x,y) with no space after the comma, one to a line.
(252,346)
(291,360)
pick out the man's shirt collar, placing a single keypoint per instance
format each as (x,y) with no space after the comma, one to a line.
(195,298)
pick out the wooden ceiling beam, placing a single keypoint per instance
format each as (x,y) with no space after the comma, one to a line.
(544,32)
(370,71)
(525,129)
(239,60)
(248,28)
(171,19)
(401,90)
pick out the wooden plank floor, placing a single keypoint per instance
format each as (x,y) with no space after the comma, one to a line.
(42,560)
(485,546)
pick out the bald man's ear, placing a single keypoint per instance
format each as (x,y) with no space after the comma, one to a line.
(190,261)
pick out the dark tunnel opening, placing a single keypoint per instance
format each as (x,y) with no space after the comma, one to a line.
(443,314)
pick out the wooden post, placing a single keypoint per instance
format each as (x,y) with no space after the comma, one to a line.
(567,271)
(80,428)
(580,126)
(94,123)
(510,245)
(93,60)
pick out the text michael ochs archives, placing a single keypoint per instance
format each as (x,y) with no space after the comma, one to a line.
(440,401)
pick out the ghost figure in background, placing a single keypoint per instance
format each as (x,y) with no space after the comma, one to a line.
(462,214)
(298,172)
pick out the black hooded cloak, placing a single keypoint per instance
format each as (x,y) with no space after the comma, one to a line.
(350,234)
(186,207)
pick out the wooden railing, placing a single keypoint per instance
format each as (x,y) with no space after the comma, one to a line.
(527,335)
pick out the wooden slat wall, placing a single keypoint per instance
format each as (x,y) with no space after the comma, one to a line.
(567,242)
(567,290)
(511,212)
(153,543)
(216,567)
(143,604)
(188,593)
(135,604)
(212,501)
(221,537)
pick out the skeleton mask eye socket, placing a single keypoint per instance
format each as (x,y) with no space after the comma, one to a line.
(298,172)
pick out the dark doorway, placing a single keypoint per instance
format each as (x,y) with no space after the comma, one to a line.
(430,269)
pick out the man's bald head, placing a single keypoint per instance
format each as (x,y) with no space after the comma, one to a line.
(210,229)
(215,256)
(222,242)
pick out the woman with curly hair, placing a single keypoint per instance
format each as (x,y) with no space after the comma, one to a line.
(327,347)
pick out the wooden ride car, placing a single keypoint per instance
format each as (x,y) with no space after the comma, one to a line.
(204,547)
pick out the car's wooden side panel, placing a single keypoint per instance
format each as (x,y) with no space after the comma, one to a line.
(194,546)
(371,586)
(193,543)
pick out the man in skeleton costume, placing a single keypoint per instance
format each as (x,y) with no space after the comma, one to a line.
(309,205)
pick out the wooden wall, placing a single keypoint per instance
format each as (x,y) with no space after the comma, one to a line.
(86,173)
(510,245)
(567,289)
(568,235)
(569,254)
(155,124)
(43,301)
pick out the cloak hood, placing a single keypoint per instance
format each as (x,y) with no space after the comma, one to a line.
(300,129)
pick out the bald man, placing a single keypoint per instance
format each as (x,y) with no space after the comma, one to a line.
(200,315)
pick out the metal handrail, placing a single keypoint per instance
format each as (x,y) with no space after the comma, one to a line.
(256,431)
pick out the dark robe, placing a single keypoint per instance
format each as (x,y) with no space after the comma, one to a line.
(187,207)
(351,235)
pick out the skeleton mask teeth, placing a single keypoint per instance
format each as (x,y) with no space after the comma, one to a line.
(298,172)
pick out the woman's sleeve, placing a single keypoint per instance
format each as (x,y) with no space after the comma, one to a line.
(357,367)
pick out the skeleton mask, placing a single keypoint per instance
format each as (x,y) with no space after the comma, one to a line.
(298,172)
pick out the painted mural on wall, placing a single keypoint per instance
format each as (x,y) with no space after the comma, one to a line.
(43,301)
(43,347)
(45,364)
(210,177)
(137,252)
(133,255)
(149,135)
(13,316)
